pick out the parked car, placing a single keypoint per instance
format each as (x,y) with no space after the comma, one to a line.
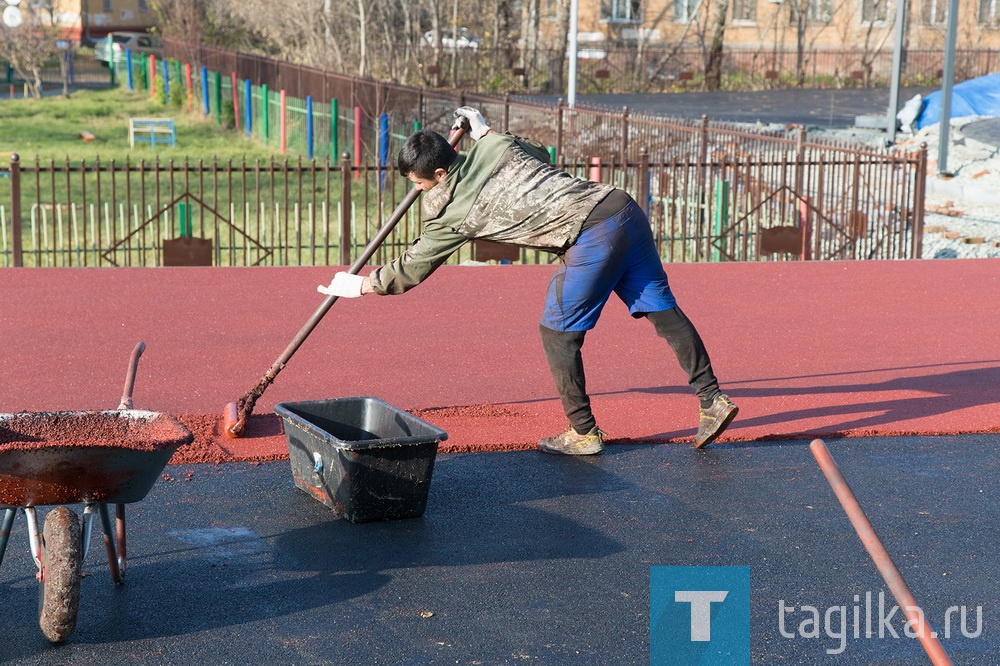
(136,42)
(466,39)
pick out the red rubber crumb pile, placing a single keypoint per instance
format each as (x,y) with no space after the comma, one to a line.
(492,411)
(263,439)
(476,428)
(27,431)
(207,430)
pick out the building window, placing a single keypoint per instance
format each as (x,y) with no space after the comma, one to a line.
(744,11)
(107,5)
(818,11)
(621,11)
(874,11)
(935,12)
(143,6)
(685,11)
(988,13)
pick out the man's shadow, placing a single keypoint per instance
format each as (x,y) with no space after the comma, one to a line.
(926,395)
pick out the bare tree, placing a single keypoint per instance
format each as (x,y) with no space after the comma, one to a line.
(877,30)
(310,31)
(183,19)
(529,33)
(667,59)
(32,45)
(561,45)
(817,14)
(504,34)
(713,61)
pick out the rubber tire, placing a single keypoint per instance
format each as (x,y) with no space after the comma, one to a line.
(59,594)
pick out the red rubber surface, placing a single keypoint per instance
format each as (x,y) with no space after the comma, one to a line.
(805,349)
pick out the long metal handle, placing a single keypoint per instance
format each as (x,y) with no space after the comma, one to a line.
(356,267)
(133,363)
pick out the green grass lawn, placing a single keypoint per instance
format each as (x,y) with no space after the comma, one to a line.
(50,128)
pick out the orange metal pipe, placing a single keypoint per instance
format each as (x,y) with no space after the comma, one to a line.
(880,556)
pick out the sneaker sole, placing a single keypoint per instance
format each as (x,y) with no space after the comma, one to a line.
(589,451)
(722,428)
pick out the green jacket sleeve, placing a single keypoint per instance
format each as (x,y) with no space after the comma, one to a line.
(436,243)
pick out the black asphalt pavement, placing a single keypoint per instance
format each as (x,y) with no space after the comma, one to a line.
(524,558)
(827,108)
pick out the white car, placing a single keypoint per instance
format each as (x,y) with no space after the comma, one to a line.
(136,42)
(466,40)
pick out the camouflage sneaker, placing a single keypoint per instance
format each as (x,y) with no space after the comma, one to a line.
(714,420)
(572,443)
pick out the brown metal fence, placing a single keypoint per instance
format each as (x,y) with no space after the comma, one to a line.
(717,200)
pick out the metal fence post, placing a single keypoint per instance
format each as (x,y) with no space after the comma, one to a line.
(217,78)
(700,178)
(309,126)
(248,107)
(334,128)
(205,95)
(624,155)
(15,209)
(703,136)
(345,209)
(800,155)
(642,189)
(918,203)
(855,187)
(559,132)
(265,112)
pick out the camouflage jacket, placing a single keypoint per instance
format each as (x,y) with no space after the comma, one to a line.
(504,191)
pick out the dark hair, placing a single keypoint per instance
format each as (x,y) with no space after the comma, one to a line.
(423,153)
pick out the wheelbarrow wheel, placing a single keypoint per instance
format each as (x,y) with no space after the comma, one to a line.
(59,593)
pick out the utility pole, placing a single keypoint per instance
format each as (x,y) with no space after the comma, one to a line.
(948,76)
(897,63)
(574,16)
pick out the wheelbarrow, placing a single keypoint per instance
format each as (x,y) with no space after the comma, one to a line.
(95,458)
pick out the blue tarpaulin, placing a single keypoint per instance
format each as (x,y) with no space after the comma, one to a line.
(975,97)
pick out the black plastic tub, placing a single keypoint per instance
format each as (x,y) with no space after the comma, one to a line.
(362,457)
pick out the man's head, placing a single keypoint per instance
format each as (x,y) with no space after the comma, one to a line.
(424,159)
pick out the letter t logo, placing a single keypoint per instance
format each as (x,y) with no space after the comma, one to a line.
(701,606)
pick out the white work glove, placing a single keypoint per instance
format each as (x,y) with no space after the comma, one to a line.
(471,120)
(344,285)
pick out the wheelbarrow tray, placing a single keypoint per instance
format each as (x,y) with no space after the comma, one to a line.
(114,456)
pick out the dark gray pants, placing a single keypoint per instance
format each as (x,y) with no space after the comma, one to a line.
(562,350)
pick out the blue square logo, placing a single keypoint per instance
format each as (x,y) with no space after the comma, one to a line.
(699,616)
